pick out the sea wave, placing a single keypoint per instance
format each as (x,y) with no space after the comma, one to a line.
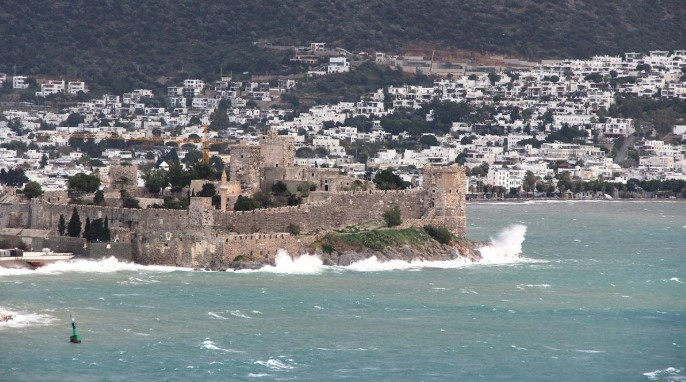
(210,345)
(668,374)
(104,265)
(504,248)
(274,364)
(24,319)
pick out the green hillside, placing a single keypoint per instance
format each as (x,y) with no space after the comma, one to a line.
(119,43)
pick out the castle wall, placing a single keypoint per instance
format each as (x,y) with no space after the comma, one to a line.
(341,210)
(199,237)
(14,215)
(46,216)
(211,248)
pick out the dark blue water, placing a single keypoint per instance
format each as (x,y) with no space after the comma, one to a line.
(601,297)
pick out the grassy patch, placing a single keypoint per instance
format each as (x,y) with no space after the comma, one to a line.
(374,239)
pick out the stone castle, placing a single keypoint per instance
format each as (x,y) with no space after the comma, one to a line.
(205,236)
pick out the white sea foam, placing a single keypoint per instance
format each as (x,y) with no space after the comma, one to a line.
(504,248)
(589,351)
(238,313)
(285,264)
(676,279)
(24,319)
(210,345)
(373,264)
(105,265)
(258,375)
(274,364)
(668,374)
(523,286)
(215,315)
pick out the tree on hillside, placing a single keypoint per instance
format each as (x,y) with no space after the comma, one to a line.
(155,180)
(43,161)
(245,204)
(74,119)
(388,180)
(99,198)
(13,177)
(84,183)
(219,120)
(33,190)
(530,181)
(429,140)
(74,226)
(304,152)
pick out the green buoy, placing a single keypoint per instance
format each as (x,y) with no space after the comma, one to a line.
(75,337)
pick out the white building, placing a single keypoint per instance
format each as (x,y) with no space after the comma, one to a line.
(19,82)
(338,65)
(77,86)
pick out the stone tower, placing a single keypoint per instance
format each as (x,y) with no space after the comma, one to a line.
(246,167)
(249,161)
(277,150)
(444,197)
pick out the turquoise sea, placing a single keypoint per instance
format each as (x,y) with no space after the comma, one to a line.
(597,294)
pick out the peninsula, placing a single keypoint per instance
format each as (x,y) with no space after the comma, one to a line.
(339,217)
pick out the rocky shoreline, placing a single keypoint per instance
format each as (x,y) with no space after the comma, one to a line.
(423,251)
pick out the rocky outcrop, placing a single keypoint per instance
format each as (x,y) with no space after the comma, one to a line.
(428,251)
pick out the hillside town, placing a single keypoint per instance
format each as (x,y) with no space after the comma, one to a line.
(545,130)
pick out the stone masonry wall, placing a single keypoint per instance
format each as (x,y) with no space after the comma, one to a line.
(341,210)
(14,215)
(205,248)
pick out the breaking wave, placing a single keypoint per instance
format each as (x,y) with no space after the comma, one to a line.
(22,319)
(285,264)
(504,248)
(105,265)
(274,364)
(210,345)
(668,374)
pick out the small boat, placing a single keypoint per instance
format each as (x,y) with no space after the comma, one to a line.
(17,258)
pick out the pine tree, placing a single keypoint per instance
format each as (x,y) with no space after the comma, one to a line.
(62,226)
(108,234)
(74,226)
(87,234)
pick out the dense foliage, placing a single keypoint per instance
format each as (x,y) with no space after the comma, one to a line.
(392,217)
(440,234)
(661,114)
(388,180)
(84,183)
(13,177)
(126,43)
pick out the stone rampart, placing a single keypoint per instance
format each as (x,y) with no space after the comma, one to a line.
(46,216)
(14,215)
(211,248)
(340,210)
